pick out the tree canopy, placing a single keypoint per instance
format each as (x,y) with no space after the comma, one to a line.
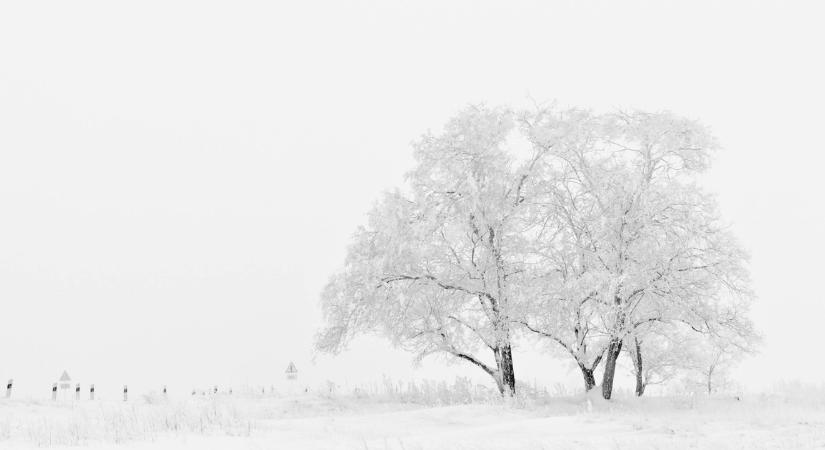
(585,229)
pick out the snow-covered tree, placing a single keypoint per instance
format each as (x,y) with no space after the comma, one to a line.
(564,288)
(713,367)
(594,235)
(440,266)
(631,237)
(660,353)
(715,350)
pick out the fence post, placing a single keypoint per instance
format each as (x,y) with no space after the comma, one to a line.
(8,388)
(54,392)
(92,392)
(125,393)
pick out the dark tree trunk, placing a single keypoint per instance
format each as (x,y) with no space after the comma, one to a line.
(504,360)
(637,365)
(589,378)
(613,352)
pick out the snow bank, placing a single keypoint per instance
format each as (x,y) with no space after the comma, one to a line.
(348,422)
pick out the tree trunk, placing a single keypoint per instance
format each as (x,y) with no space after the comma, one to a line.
(637,365)
(504,360)
(613,352)
(589,378)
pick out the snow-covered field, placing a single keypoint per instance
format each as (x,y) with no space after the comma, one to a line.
(319,422)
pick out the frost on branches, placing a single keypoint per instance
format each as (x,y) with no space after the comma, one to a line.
(438,266)
(593,235)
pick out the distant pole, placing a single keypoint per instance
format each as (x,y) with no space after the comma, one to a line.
(125,393)
(8,388)
(92,392)
(54,391)
(77,392)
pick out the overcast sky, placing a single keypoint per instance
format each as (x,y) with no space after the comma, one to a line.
(178,179)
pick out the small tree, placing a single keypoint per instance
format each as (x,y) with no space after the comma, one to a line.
(717,352)
(660,353)
(701,355)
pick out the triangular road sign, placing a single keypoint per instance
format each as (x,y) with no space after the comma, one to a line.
(291,368)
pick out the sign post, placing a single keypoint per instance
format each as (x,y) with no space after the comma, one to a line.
(291,376)
(65,383)
(291,372)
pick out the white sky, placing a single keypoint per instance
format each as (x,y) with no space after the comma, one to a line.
(179,179)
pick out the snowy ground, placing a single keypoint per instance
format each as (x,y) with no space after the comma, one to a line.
(317,422)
